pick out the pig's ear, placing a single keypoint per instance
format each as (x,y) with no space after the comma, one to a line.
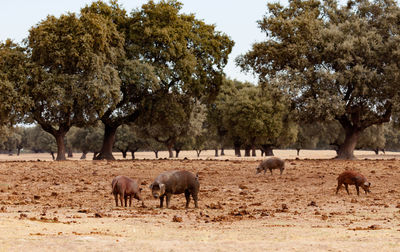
(162,189)
(151,186)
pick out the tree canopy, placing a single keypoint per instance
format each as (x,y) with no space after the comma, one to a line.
(72,74)
(13,77)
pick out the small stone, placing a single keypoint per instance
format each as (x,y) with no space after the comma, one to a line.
(98,215)
(177,218)
(312,203)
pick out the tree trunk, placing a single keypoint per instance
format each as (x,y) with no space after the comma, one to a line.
(216,152)
(170,151)
(199,151)
(247,151)
(268,151)
(253,152)
(83,155)
(60,146)
(156,153)
(70,154)
(298,152)
(237,145)
(346,150)
(108,143)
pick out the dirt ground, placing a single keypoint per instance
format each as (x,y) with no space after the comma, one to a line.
(67,206)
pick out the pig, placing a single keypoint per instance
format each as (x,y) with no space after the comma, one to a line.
(126,187)
(176,182)
(271,163)
(353,178)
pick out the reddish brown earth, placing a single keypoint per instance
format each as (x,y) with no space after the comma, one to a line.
(67,206)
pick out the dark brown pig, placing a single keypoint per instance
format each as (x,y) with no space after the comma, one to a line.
(353,178)
(126,187)
(270,164)
(176,182)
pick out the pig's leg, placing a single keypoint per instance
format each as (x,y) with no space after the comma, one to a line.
(116,198)
(347,188)
(168,199)
(338,187)
(187,196)
(121,197)
(126,199)
(194,195)
(130,200)
(358,189)
(161,201)
(270,170)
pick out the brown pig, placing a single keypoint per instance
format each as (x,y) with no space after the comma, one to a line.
(270,164)
(126,187)
(353,178)
(176,182)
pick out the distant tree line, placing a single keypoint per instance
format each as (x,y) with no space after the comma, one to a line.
(105,79)
(204,132)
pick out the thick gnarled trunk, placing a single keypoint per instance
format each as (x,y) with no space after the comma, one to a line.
(346,150)
(60,146)
(108,143)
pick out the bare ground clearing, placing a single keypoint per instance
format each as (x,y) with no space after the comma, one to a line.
(67,206)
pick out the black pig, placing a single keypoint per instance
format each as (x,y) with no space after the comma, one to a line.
(176,182)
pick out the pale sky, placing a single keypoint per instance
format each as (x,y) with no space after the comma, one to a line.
(236,18)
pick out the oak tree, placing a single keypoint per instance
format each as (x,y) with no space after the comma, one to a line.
(337,62)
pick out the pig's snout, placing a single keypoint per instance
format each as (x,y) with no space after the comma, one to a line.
(258,170)
(156,195)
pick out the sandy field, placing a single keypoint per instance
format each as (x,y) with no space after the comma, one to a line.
(68,206)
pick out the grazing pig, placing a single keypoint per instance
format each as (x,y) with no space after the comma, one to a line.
(126,187)
(353,178)
(176,182)
(271,163)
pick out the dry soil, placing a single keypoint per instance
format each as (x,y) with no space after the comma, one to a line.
(68,206)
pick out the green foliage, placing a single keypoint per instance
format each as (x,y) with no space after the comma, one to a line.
(73,73)
(128,139)
(137,78)
(188,55)
(10,140)
(198,134)
(13,72)
(392,136)
(40,141)
(87,139)
(254,116)
(372,138)
(167,118)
